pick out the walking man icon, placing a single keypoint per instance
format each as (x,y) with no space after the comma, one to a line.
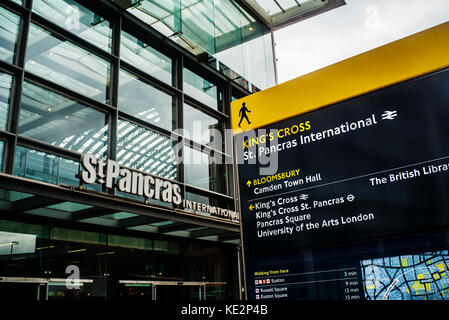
(242,113)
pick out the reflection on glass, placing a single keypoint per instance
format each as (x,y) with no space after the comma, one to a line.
(211,200)
(67,65)
(201,170)
(9,29)
(147,59)
(202,128)
(120,215)
(251,61)
(41,166)
(200,89)
(145,102)
(55,119)
(145,150)
(77,19)
(5,92)
(69,206)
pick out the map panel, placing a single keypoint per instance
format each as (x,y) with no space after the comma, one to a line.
(407,277)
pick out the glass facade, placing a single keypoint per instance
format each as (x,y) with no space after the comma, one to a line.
(201,89)
(204,171)
(5,93)
(105,260)
(67,64)
(76,18)
(138,53)
(145,150)
(55,119)
(146,102)
(9,31)
(42,166)
(2,147)
(77,78)
(236,43)
(202,128)
(74,95)
(250,63)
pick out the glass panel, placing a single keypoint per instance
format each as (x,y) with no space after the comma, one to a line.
(5,92)
(258,68)
(9,30)
(145,102)
(269,6)
(145,150)
(202,128)
(67,65)
(2,147)
(144,57)
(119,215)
(77,19)
(198,23)
(69,206)
(209,28)
(20,2)
(50,117)
(201,171)
(41,166)
(10,195)
(200,89)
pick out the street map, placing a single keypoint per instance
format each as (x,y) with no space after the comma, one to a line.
(407,277)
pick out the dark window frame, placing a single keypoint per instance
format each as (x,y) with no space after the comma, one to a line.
(119,21)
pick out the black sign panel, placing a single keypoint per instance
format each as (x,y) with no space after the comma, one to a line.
(371,166)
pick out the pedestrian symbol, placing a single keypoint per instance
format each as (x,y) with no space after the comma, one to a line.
(242,113)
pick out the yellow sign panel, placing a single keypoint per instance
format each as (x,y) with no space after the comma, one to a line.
(402,60)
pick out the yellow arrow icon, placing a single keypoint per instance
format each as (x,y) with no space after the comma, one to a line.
(248,183)
(251,207)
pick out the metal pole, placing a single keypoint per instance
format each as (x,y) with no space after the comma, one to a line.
(273,48)
(242,248)
(239,271)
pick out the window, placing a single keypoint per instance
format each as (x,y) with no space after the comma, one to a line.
(60,121)
(202,128)
(9,30)
(145,150)
(76,19)
(200,89)
(142,56)
(203,171)
(67,65)
(5,92)
(41,166)
(2,148)
(145,102)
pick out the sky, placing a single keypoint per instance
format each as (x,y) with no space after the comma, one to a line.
(359,26)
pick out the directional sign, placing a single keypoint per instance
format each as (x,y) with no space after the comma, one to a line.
(367,161)
(371,166)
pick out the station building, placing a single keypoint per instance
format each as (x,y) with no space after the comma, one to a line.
(114,83)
